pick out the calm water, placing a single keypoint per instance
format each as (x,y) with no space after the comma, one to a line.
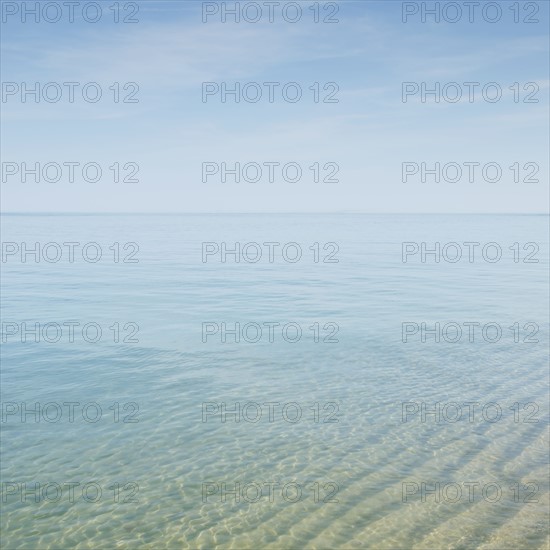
(170,465)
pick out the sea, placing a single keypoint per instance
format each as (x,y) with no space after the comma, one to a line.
(277,381)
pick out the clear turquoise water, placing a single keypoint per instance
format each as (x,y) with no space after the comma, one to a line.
(369,453)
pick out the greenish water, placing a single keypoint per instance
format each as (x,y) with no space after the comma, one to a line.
(350,444)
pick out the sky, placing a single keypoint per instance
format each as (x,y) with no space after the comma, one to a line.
(360,141)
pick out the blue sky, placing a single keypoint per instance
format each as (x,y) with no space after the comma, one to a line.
(370,132)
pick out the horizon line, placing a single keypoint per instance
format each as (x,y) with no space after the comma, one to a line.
(91,213)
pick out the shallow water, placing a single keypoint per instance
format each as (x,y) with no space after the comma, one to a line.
(351,439)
